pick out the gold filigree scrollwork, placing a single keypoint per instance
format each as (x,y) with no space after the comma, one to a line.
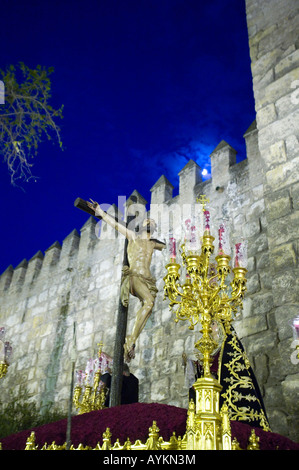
(241,388)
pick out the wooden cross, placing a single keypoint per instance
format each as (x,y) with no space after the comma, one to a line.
(122,318)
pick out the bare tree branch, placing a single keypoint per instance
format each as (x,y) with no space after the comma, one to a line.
(26,118)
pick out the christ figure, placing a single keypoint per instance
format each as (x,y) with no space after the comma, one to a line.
(137,279)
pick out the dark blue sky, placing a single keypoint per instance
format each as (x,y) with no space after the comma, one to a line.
(146,85)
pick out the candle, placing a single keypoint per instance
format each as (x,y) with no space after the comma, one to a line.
(237,254)
(187,225)
(172,249)
(192,242)
(193,245)
(2,352)
(241,254)
(8,351)
(224,242)
(89,372)
(221,239)
(79,378)
(2,333)
(207,221)
(296,327)
(97,363)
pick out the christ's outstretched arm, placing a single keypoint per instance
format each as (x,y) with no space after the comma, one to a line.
(111,220)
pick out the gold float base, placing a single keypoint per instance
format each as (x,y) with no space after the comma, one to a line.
(207,428)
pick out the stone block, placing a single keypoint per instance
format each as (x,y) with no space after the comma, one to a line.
(247,307)
(258,244)
(283,257)
(260,83)
(177,347)
(255,210)
(288,63)
(162,352)
(295,195)
(266,115)
(281,129)
(266,279)
(283,318)
(276,155)
(292,146)
(262,33)
(147,355)
(253,284)
(264,63)
(262,261)
(284,229)
(287,104)
(272,90)
(274,398)
(166,315)
(251,264)
(262,303)
(261,368)
(290,388)
(278,419)
(262,343)
(285,288)
(84,343)
(250,326)
(278,204)
(257,192)
(32,301)
(160,389)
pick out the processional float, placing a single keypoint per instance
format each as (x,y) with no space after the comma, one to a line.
(212,291)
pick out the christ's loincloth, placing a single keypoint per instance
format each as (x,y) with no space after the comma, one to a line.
(126,285)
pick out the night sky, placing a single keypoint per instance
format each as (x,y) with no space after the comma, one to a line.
(146,85)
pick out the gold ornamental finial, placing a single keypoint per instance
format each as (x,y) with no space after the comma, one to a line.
(93,397)
(203,200)
(253,441)
(100,346)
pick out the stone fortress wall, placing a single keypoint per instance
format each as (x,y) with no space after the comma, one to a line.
(79,280)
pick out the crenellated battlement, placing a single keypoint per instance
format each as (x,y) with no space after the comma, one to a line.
(224,166)
(55,259)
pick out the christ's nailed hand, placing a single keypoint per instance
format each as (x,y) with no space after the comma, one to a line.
(93,205)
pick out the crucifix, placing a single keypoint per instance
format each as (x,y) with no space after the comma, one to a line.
(136,280)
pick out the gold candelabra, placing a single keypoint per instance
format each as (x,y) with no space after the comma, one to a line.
(5,353)
(88,382)
(3,369)
(204,297)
